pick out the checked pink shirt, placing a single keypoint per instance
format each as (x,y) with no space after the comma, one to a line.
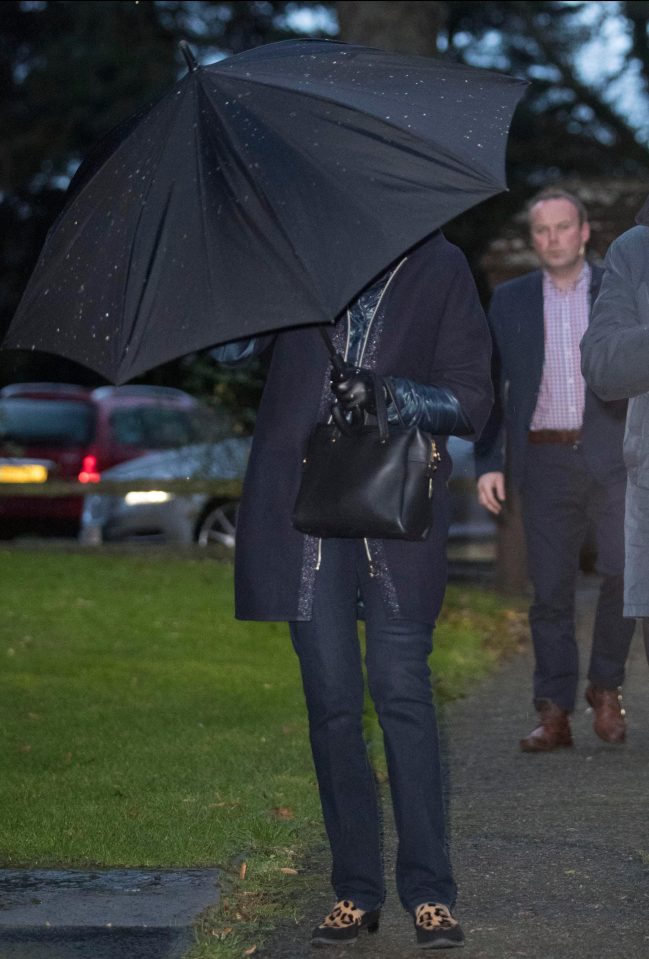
(560,403)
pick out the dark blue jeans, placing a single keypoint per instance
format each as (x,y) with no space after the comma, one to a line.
(399,683)
(560,498)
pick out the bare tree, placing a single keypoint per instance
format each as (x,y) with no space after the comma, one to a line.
(409,26)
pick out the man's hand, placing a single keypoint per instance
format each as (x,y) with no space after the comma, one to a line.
(491,491)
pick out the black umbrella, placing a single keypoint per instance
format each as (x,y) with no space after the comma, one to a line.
(263,191)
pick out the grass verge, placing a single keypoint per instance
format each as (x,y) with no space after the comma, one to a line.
(143,726)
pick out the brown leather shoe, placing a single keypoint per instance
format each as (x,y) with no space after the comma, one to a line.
(609,722)
(552,732)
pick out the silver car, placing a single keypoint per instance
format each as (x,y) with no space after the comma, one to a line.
(469,520)
(157,515)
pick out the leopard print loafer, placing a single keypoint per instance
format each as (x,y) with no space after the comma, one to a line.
(343,924)
(436,928)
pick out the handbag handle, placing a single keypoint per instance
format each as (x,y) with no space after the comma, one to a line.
(381,408)
(388,390)
(358,419)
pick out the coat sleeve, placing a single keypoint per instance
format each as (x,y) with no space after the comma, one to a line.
(462,360)
(615,348)
(239,351)
(432,408)
(489,450)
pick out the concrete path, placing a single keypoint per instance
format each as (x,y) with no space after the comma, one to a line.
(104,914)
(551,852)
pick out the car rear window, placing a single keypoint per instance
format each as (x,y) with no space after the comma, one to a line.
(53,423)
(151,427)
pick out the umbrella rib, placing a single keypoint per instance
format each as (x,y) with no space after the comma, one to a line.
(125,342)
(481,174)
(142,293)
(199,171)
(323,97)
(265,201)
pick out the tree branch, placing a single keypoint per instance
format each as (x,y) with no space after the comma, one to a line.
(626,135)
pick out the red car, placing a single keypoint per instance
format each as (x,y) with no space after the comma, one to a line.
(53,431)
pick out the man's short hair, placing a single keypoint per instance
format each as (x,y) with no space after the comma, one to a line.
(555,193)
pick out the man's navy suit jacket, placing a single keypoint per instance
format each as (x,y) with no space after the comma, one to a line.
(517,327)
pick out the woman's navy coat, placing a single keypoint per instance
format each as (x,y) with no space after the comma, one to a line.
(430,328)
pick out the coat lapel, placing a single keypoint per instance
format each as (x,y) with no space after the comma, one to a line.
(536,330)
(596,274)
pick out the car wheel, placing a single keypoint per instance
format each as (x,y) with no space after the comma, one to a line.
(218,525)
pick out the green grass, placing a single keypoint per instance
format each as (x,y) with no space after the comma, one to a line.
(141,725)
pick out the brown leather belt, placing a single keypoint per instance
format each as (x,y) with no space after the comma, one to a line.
(554,436)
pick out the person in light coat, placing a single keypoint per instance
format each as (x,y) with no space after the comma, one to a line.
(615,364)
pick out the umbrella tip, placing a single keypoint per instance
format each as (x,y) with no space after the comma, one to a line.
(192,62)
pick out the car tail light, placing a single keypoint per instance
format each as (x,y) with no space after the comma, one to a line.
(88,473)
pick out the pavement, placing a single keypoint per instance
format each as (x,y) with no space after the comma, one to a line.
(101,914)
(551,852)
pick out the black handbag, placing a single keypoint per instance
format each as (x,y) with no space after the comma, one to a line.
(361,480)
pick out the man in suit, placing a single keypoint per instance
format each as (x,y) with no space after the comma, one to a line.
(565,451)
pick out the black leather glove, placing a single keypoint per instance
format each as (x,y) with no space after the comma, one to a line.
(354,389)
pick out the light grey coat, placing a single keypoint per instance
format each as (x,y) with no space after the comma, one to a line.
(615,364)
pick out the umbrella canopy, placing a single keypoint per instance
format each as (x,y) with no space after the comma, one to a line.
(263,191)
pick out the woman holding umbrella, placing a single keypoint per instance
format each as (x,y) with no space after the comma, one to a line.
(261,193)
(421,328)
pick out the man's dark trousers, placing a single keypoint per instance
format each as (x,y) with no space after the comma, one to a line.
(560,497)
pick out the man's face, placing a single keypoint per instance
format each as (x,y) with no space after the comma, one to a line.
(557,236)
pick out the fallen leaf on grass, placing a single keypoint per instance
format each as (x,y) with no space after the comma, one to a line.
(222,933)
(288,871)
(283,812)
(243,869)
(251,951)
(289,728)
